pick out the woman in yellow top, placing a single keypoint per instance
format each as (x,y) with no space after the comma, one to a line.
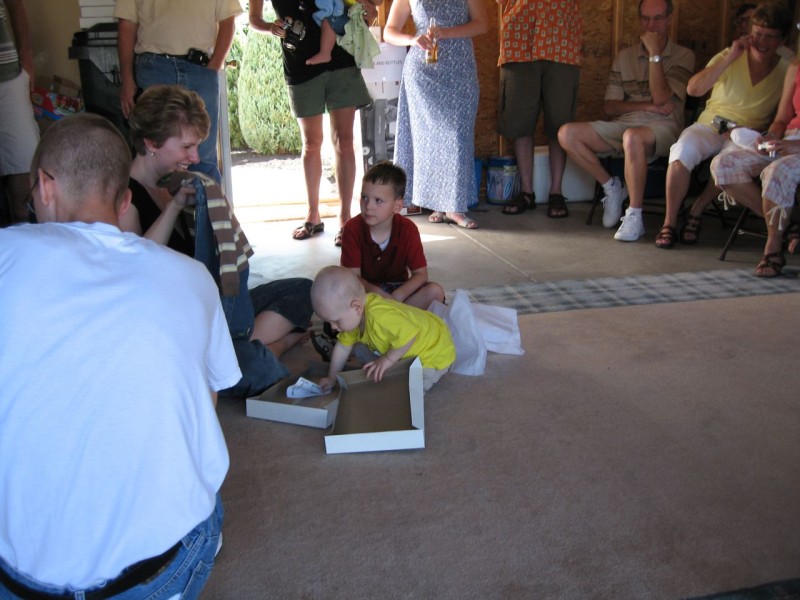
(745,81)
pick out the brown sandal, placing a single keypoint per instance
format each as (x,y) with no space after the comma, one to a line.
(771,265)
(520,203)
(666,237)
(557,207)
(690,232)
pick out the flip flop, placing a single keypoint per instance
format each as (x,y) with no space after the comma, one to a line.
(436,217)
(307,229)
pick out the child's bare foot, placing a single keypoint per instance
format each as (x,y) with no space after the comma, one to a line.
(319,58)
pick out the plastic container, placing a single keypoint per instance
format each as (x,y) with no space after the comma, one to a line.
(502,179)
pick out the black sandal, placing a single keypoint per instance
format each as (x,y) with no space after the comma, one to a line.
(666,237)
(557,207)
(771,265)
(520,203)
(307,229)
(323,345)
(690,232)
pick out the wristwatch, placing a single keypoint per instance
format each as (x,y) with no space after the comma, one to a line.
(656,58)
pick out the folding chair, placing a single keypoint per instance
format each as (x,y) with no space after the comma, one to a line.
(741,227)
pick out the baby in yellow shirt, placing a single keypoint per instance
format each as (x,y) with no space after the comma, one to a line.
(390,328)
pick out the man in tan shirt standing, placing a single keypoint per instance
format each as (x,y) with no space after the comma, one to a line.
(181,42)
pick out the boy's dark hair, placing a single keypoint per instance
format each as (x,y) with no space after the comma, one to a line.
(387,173)
(773,15)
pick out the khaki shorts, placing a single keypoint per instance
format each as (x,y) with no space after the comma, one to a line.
(527,88)
(329,91)
(666,132)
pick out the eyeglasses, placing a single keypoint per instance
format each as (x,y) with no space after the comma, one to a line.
(29,198)
(740,22)
(656,19)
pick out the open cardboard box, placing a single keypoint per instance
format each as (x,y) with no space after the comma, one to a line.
(379,416)
(317,411)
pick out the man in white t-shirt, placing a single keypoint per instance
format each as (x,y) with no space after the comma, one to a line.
(113,348)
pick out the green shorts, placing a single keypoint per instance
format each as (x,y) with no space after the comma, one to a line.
(530,87)
(332,90)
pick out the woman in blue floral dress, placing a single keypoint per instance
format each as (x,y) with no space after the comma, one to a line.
(438,103)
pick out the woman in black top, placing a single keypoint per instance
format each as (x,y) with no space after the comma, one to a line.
(166,130)
(336,87)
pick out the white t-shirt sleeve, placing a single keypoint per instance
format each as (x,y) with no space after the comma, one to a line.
(223,368)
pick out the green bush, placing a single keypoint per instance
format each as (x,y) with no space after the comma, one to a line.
(264,116)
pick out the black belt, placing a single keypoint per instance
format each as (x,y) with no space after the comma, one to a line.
(132,576)
(180,56)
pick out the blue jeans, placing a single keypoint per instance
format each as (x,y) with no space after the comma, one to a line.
(239,308)
(184,576)
(290,298)
(152,69)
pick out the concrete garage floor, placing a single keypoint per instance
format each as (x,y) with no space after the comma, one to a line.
(270,201)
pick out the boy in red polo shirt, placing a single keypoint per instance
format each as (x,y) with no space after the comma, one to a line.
(382,247)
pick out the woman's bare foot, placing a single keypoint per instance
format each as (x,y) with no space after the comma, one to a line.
(461,220)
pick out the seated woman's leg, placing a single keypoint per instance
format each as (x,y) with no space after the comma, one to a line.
(695,144)
(283,313)
(734,171)
(779,184)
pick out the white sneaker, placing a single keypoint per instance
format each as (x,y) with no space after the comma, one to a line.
(612,203)
(632,227)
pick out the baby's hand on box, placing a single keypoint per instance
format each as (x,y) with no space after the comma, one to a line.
(326,384)
(375,369)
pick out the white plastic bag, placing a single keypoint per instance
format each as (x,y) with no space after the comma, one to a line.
(498,328)
(476,329)
(470,348)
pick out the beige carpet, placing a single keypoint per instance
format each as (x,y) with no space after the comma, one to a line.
(638,452)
